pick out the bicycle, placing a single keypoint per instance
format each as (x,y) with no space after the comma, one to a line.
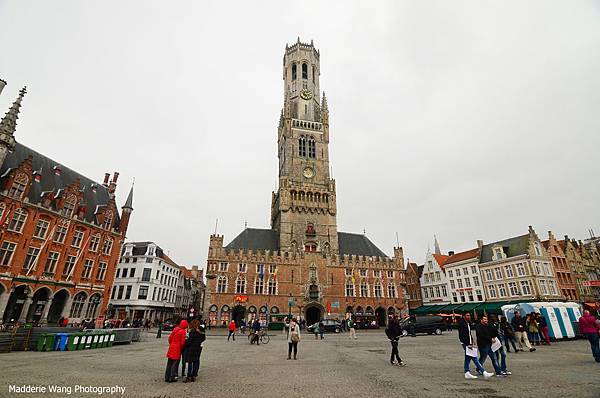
(262,335)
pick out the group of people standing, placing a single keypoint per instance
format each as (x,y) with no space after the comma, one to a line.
(185,346)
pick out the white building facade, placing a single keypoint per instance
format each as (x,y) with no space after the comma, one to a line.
(434,282)
(464,280)
(145,284)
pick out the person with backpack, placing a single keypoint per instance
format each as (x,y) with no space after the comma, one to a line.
(393,333)
(293,338)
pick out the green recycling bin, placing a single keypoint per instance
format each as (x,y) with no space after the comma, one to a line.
(41,342)
(81,343)
(111,339)
(104,338)
(73,341)
(95,340)
(50,337)
(88,341)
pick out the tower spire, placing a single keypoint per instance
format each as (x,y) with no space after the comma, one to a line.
(324,103)
(8,124)
(437,245)
(129,202)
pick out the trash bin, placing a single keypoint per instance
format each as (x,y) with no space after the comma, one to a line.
(111,339)
(95,340)
(81,344)
(88,341)
(60,341)
(103,339)
(41,342)
(50,338)
(73,341)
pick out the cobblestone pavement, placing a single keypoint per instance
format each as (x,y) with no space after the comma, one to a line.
(334,367)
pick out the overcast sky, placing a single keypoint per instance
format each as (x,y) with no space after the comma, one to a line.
(470,120)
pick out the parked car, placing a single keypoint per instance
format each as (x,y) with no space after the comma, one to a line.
(366,324)
(168,325)
(430,324)
(330,326)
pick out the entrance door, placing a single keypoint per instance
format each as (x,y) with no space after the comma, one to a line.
(380,314)
(238,314)
(313,315)
(56,308)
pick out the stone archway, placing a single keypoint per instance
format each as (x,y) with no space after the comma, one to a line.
(238,314)
(36,309)
(16,302)
(381,316)
(58,304)
(313,313)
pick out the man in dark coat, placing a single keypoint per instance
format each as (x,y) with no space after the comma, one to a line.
(255,330)
(466,339)
(193,349)
(486,335)
(393,333)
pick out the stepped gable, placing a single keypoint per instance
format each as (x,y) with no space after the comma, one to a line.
(512,247)
(357,244)
(94,194)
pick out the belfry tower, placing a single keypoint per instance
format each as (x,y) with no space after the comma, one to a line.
(303,210)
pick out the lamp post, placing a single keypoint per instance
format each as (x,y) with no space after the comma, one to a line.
(159,332)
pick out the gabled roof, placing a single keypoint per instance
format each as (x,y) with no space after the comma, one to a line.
(441,259)
(187,273)
(268,239)
(140,249)
(512,247)
(50,182)
(357,244)
(255,239)
(457,257)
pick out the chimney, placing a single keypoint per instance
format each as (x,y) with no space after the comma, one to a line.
(451,253)
(106,177)
(479,244)
(2,85)
(115,177)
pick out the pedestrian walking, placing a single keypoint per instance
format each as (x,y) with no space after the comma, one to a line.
(518,325)
(533,331)
(243,326)
(231,330)
(508,334)
(543,325)
(293,338)
(176,344)
(485,338)
(466,339)
(193,349)
(321,328)
(255,330)
(316,329)
(500,353)
(393,333)
(590,329)
(351,326)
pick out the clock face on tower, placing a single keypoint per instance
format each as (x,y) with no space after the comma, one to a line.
(308,172)
(305,94)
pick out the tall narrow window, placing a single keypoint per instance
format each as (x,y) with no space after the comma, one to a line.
(69,206)
(294,71)
(69,265)
(101,271)
(16,224)
(302,146)
(349,289)
(41,228)
(240,286)
(6,252)
(51,262)
(108,217)
(222,284)
(272,286)
(304,71)
(312,148)
(258,286)
(18,186)
(314,72)
(77,238)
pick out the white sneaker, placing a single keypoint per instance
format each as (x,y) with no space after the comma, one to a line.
(468,375)
(487,375)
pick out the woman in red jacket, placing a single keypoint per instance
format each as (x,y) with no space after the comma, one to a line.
(590,329)
(176,344)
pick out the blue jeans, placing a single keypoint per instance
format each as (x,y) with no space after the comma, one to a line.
(501,358)
(594,339)
(193,368)
(486,351)
(468,360)
(510,339)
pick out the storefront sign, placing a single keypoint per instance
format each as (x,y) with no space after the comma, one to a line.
(335,304)
(591,283)
(241,299)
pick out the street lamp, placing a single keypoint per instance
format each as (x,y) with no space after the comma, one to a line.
(159,332)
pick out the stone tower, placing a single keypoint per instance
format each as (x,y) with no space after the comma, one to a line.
(8,125)
(303,210)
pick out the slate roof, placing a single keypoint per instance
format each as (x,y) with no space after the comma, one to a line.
(357,244)
(268,239)
(50,182)
(512,247)
(473,253)
(140,248)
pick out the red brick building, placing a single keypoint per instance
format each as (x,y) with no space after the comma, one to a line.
(564,277)
(413,285)
(60,235)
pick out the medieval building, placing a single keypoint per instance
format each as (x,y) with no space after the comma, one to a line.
(60,234)
(303,259)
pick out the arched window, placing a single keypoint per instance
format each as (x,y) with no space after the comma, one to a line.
(222,284)
(259,286)
(314,72)
(225,314)
(18,186)
(377,290)
(304,71)
(326,198)
(391,290)
(18,220)
(272,286)
(240,286)
(302,146)
(108,218)
(364,289)
(312,148)
(78,303)
(294,71)
(349,288)
(93,304)
(274,310)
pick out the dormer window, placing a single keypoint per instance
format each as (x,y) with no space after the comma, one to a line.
(108,216)
(151,250)
(18,187)
(498,253)
(538,249)
(69,206)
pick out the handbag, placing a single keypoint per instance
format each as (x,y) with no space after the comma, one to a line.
(295,338)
